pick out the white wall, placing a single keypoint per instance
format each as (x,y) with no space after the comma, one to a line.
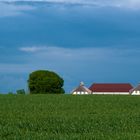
(80,93)
(101,93)
(135,93)
(112,93)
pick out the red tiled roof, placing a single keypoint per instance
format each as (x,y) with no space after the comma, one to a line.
(111,87)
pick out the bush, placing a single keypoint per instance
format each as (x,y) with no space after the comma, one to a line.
(21,91)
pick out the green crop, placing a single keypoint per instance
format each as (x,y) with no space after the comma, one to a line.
(68,117)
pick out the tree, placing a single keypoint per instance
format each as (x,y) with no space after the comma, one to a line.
(45,82)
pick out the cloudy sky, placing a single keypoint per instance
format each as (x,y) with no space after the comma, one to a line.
(82,40)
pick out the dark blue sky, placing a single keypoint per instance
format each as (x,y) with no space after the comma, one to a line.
(90,41)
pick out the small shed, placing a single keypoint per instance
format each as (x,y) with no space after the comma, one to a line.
(81,90)
(135,91)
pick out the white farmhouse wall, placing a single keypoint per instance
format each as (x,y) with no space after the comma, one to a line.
(135,93)
(80,93)
(111,93)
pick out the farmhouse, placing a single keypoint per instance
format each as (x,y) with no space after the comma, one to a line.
(81,89)
(111,88)
(135,91)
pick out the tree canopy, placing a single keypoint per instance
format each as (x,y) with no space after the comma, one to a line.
(45,82)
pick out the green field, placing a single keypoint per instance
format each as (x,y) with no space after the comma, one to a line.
(67,117)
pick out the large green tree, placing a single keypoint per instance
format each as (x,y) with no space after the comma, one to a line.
(45,82)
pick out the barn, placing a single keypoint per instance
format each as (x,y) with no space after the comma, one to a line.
(81,90)
(111,88)
(135,90)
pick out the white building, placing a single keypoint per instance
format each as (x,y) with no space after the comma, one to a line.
(81,90)
(111,88)
(135,91)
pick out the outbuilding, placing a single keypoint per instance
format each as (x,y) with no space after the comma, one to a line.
(111,88)
(81,90)
(135,91)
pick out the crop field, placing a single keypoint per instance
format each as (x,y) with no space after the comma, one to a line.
(67,117)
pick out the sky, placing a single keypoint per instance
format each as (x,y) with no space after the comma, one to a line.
(93,41)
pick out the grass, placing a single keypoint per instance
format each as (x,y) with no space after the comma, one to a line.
(67,117)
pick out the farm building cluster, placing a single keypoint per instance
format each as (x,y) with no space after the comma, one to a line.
(107,88)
